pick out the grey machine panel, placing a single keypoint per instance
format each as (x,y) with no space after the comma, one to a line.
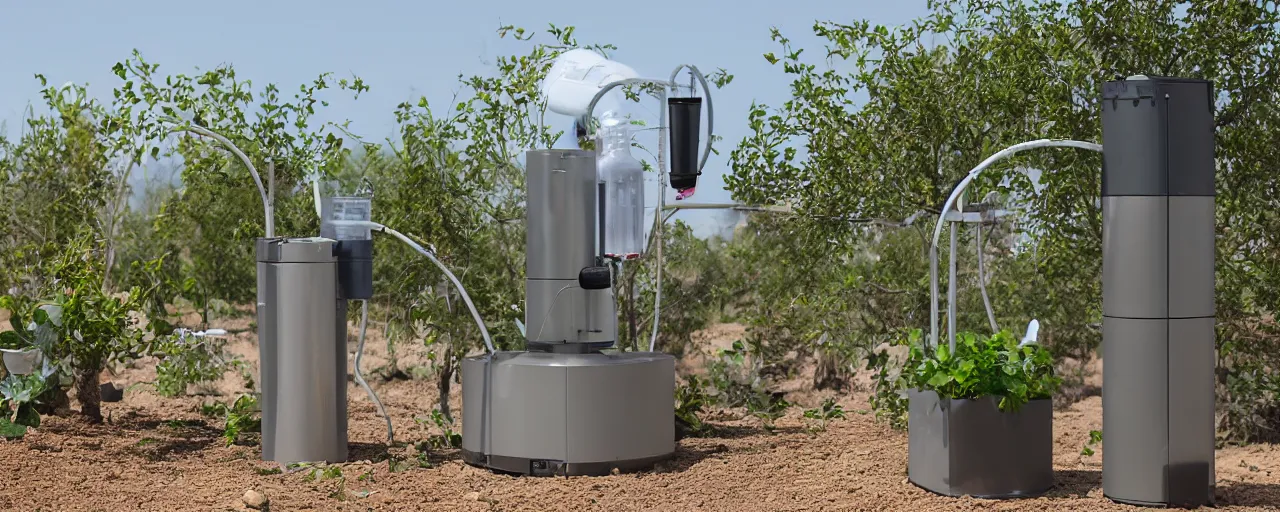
(1135,408)
(570,314)
(1158,291)
(571,414)
(1135,271)
(561,234)
(1191,253)
(561,221)
(1190,137)
(302,346)
(1165,127)
(1191,408)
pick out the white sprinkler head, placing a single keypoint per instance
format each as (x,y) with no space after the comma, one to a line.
(1033,330)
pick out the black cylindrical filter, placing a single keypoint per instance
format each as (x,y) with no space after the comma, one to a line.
(686,114)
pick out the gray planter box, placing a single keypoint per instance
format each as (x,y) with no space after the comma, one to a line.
(970,447)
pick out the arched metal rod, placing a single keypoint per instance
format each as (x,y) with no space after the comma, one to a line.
(658,220)
(268,208)
(949,205)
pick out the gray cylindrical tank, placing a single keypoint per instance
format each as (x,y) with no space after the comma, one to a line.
(562,238)
(302,346)
(1158,291)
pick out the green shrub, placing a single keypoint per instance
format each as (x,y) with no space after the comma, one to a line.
(982,366)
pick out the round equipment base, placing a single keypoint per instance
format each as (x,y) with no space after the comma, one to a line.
(553,414)
(1157,504)
(535,467)
(1009,496)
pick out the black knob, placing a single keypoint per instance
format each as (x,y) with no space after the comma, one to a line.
(594,278)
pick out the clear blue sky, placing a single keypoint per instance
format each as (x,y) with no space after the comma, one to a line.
(409,49)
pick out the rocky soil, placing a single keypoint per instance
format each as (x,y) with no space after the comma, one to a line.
(161,454)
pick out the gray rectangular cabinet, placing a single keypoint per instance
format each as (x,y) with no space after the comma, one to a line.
(1158,291)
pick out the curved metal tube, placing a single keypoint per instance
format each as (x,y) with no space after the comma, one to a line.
(982,280)
(257,180)
(662,164)
(475,315)
(359,377)
(951,201)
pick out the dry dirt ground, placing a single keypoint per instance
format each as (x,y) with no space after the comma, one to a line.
(160,454)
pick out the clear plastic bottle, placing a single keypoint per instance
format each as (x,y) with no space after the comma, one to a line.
(623,178)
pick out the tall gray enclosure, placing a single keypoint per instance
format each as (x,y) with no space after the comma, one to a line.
(302,335)
(1158,291)
(561,236)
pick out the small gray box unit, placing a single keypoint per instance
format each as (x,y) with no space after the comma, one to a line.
(971,447)
(1158,291)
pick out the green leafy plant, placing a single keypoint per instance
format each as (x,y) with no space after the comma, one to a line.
(189,360)
(818,417)
(447,438)
(240,417)
(983,366)
(767,407)
(1095,439)
(732,381)
(691,400)
(19,396)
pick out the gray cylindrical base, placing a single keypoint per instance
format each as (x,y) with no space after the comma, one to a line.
(545,414)
(302,348)
(971,448)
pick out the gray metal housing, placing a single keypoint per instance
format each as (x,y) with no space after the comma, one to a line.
(562,239)
(544,414)
(970,447)
(302,335)
(1158,291)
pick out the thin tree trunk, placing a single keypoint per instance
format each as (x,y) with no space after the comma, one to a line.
(89,394)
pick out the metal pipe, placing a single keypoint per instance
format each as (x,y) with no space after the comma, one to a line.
(253,171)
(960,188)
(484,330)
(662,170)
(657,215)
(982,279)
(359,377)
(951,289)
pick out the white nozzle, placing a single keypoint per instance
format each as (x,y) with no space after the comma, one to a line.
(213,332)
(1033,330)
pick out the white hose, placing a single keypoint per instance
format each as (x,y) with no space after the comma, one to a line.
(484,331)
(315,192)
(257,180)
(982,280)
(364,324)
(951,201)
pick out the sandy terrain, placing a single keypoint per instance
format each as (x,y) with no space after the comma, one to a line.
(143,459)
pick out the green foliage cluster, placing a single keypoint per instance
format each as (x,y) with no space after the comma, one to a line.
(238,417)
(982,366)
(818,417)
(19,397)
